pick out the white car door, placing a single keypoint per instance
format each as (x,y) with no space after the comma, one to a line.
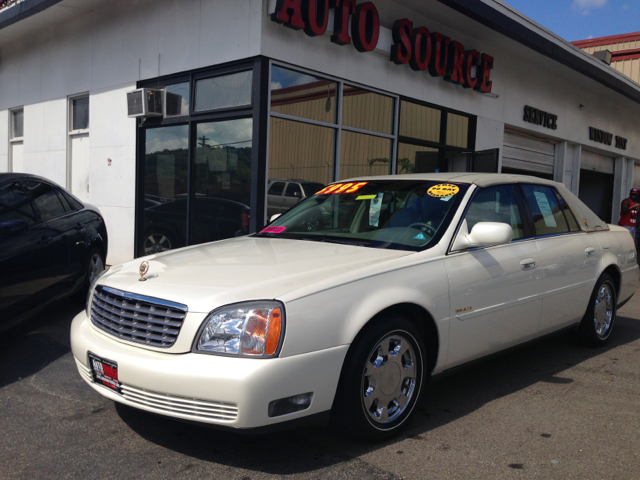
(495,292)
(570,258)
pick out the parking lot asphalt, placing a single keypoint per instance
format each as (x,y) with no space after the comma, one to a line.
(552,409)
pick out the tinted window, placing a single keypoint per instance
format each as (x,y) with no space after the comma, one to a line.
(73,203)
(15,205)
(496,204)
(46,200)
(293,190)
(545,208)
(311,188)
(276,188)
(571,219)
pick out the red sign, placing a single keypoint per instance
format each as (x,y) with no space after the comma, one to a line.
(342,188)
(420,48)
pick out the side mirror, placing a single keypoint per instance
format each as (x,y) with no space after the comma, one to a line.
(273,217)
(483,234)
(13,227)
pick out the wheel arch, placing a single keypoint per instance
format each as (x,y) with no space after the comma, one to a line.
(613,270)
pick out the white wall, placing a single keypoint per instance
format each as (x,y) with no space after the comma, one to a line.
(104,52)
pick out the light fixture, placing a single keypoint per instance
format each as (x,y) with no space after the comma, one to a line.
(604,55)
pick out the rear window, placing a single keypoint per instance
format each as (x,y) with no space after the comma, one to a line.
(548,215)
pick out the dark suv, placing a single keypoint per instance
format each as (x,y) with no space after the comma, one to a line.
(51,245)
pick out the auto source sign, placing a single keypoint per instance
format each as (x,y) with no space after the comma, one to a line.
(417,46)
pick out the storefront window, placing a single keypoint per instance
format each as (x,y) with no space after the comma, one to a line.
(420,122)
(165,189)
(223,180)
(301,154)
(224,91)
(177,100)
(367,110)
(364,155)
(302,95)
(457,130)
(416,159)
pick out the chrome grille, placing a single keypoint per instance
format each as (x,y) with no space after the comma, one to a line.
(193,407)
(137,318)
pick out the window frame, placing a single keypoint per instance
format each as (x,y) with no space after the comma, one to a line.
(530,212)
(70,100)
(12,137)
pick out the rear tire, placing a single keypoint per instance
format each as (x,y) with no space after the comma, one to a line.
(598,322)
(381,380)
(93,266)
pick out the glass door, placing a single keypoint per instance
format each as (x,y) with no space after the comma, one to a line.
(165,189)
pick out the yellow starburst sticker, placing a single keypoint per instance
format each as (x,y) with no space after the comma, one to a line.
(443,190)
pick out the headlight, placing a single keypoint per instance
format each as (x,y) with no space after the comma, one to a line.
(90,292)
(252,329)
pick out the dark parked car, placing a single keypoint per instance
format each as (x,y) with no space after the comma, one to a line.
(51,245)
(165,224)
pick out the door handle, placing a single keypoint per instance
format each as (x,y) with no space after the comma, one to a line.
(528,264)
(590,251)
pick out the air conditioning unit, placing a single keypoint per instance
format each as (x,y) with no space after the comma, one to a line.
(145,102)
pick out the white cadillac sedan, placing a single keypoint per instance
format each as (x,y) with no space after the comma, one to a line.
(346,305)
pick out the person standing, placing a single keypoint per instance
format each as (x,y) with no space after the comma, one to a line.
(629,211)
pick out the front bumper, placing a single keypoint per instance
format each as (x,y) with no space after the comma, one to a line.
(225,391)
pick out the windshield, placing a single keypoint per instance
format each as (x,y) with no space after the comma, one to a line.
(397,214)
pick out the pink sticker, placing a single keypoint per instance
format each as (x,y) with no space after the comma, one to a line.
(273,230)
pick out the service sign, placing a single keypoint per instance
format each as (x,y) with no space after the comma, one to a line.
(414,45)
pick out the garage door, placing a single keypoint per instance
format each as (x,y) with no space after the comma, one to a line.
(596,163)
(523,152)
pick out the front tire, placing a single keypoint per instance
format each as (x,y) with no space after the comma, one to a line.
(597,324)
(381,380)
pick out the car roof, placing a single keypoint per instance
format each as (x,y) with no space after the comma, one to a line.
(27,176)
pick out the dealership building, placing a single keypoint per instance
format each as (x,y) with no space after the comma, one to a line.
(187,121)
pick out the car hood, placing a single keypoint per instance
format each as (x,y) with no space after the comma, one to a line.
(206,276)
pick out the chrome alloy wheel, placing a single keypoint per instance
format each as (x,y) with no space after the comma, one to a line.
(156,243)
(389,379)
(96,266)
(603,311)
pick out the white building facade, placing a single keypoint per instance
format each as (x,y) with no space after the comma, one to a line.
(265,100)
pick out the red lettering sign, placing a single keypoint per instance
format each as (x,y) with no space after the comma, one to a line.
(421,56)
(344,8)
(484,74)
(289,14)
(455,64)
(365,27)
(401,50)
(315,14)
(438,63)
(472,58)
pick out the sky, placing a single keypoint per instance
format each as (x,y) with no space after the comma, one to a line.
(582,19)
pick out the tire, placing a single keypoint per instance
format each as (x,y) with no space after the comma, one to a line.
(93,266)
(157,242)
(598,322)
(379,389)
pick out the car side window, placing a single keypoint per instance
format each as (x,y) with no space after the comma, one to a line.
(276,188)
(571,219)
(293,190)
(46,200)
(73,203)
(496,204)
(548,216)
(15,204)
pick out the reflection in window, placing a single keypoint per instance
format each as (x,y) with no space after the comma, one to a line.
(420,122)
(225,91)
(80,113)
(45,199)
(223,180)
(457,130)
(363,155)
(367,110)
(165,189)
(547,212)
(303,95)
(416,159)
(177,100)
(496,204)
(17,123)
(301,153)
(15,206)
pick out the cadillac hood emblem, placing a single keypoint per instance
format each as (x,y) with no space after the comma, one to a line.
(143,270)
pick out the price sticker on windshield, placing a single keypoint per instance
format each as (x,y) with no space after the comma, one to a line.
(443,190)
(342,188)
